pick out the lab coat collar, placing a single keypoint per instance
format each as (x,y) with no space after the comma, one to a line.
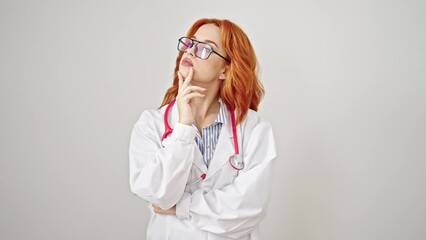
(224,150)
(225,145)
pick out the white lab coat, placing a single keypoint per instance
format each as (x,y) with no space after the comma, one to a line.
(227,204)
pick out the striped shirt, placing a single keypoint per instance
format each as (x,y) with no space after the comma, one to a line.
(207,141)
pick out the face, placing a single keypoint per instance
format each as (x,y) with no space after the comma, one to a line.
(205,70)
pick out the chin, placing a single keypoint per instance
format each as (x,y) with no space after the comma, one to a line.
(184,71)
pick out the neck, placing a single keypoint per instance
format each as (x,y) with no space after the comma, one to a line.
(206,109)
(203,107)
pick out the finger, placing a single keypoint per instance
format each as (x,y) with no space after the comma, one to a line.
(180,77)
(189,77)
(193,95)
(160,210)
(157,209)
(192,88)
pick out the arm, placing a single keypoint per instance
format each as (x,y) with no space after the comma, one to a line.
(236,209)
(159,174)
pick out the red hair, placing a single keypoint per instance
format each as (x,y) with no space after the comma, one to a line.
(241,88)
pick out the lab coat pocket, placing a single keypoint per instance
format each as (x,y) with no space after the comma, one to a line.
(195,178)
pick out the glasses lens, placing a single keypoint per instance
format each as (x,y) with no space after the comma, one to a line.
(203,50)
(184,43)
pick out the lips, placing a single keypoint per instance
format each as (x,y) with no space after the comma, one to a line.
(187,62)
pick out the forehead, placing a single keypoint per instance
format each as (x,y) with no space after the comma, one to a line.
(208,32)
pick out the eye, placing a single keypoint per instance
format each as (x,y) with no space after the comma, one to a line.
(205,48)
(187,42)
(205,51)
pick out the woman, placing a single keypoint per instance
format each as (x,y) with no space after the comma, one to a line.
(203,160)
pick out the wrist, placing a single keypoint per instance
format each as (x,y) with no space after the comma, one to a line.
(185,120)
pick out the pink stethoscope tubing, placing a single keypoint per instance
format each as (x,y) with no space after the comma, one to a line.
(167,130)
(234,160)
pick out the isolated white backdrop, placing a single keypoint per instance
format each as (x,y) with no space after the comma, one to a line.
(344,92)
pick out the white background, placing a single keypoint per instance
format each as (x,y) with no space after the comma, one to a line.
(345,83)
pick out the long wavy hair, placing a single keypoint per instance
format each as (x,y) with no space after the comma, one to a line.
(241,88)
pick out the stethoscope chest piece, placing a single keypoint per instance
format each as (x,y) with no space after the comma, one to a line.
(236,162)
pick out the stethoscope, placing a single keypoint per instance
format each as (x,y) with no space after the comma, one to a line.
(236,161)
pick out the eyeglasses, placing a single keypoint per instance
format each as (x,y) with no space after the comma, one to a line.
(202,50)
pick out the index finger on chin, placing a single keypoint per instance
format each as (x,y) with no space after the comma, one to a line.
(180,77)
(189,77)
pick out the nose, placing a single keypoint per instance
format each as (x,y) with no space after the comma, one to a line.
(191,50)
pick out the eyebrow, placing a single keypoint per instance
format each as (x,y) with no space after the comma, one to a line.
(207,41)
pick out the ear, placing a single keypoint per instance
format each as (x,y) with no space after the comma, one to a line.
(222,76)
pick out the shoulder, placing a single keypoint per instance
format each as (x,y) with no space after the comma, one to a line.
(149,125)
(255,129)
(258,141)
(149,114)
(150,120)
(254,120)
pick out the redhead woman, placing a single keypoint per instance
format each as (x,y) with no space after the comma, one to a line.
(203,160)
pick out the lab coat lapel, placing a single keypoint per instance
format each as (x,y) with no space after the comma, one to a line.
(198,159)
(224,150)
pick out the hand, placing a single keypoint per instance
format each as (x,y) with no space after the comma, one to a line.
(171,211)
(186,93)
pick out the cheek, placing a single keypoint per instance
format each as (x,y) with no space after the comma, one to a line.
(208,72)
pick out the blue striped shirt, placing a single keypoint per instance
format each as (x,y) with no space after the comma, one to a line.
(207,141)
